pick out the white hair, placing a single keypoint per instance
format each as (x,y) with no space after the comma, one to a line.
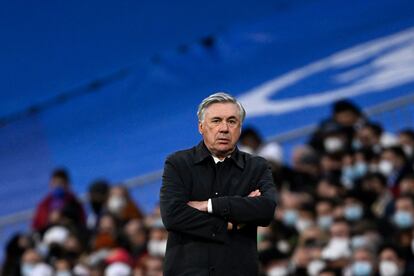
(219,97)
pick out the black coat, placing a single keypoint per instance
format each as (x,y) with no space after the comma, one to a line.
(199,242)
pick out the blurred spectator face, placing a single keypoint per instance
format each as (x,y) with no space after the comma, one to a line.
(157,243)
(406,140)
(304,159)
(330,163)
(327,190)
(153,266)
(390,162)
(407,185)
(73,247)
(375,183)
(136,235)
(367,137)
(305,220)
(353,209)
(106,233)
(346,118)
(340,229)
(250,140)
(58,182)
(363,263)
(107,224)
(98,194)
(117,200)
(62,267)
(404,213)
(324,210)
(389,263)
(29,259)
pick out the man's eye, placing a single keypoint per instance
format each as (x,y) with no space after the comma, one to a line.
(232,122)
(215,121)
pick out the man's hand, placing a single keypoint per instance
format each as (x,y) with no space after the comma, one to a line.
(255,193)
(199,205)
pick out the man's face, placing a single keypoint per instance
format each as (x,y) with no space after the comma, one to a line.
(221,128)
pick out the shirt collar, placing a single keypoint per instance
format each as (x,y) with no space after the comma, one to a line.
(201,153)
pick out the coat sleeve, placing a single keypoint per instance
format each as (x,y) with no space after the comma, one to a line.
(252,210)
(178,216)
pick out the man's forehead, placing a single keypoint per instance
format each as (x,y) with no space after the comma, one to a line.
(222,110)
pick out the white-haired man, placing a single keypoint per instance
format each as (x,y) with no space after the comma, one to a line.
(214,196)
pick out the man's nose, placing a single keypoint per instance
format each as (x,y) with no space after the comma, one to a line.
(224,127)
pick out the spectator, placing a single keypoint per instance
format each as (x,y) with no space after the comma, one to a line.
(345,116)
(407,185)
(375,191)
(363,263)
(136,236)
(29,260)
(369,137)
(250,140)
(121,206)
(406,141)
(391,261)
(394,166)
(404,213)
(97,196)
(15,248)
(59,205)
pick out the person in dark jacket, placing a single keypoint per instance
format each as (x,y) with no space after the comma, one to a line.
(59,203)
(214,196)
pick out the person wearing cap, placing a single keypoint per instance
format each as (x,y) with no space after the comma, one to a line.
(214,196)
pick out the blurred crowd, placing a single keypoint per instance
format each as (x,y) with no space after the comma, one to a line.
(345,207)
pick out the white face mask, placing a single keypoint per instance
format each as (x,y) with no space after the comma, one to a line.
(277,271)
(157,247)
(116,204)
(303,224)
(386,167)
(333,144)
(388,268)
(337,248)
(408,150)
(315,266)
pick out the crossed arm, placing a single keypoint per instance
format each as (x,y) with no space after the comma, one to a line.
(203,207)
(191,217)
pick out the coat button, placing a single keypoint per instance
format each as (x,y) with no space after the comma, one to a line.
(213,235)
(216,193)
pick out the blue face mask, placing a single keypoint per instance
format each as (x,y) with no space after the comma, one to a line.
(58,192)
(403,219)
(63,273)
(359,241)
(26,269)
(325,222)
(290,217)
(361,268)
(360,169)
(353,212)
(348,175)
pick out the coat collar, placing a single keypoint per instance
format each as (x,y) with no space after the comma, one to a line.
(201,153)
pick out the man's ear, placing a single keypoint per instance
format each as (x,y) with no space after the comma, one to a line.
(200,127)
